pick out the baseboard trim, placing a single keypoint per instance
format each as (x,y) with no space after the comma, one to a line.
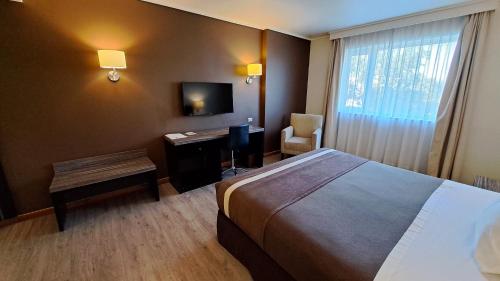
(27,216)
(164,180)
(80,203)
(35,214)
(271,153)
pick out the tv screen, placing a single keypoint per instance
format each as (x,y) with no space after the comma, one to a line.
(207,98)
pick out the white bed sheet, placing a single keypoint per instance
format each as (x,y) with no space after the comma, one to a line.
(439,244)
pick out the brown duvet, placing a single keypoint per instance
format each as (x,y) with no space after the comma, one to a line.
(334,217)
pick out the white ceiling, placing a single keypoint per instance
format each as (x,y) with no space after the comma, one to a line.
(305,18)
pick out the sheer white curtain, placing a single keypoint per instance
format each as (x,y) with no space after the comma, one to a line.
(391,83)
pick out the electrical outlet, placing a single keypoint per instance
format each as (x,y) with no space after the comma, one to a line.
(250,119)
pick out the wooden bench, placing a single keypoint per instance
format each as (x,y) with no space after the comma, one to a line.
(77,179)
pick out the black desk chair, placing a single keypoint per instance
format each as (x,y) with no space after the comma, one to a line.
(238,141)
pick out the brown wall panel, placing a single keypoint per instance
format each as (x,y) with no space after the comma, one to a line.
(56,104)
(286,64)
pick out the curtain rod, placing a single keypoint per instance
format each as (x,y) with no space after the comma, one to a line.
(448,12)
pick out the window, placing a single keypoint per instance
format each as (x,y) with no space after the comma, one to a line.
(399,73)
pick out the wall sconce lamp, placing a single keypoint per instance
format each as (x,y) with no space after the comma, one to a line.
(254,70)
(111,59)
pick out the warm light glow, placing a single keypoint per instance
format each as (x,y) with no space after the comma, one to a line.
(198,105)
(112,59)
(254,69)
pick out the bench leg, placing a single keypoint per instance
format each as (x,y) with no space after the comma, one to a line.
(153,185)
(59,209)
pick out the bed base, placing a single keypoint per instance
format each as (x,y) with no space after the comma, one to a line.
(259,264)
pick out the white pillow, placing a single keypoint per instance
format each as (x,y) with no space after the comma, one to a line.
(487,253)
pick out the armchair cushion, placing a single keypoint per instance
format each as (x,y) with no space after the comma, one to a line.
(305,124)
(298,144)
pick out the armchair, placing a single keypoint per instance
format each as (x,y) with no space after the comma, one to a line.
(303,134)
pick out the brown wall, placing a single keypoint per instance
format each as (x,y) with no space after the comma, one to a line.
(286,63)
(56,103)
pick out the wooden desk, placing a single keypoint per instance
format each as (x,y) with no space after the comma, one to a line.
(81,178)
(195,161)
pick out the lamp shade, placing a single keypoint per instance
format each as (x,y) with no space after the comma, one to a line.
(112,59)
(254,69)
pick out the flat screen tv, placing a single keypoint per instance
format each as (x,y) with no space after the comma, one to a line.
(206,98)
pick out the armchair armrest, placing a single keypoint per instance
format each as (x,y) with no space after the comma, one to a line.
(316,138)
(285,135)
(287,132)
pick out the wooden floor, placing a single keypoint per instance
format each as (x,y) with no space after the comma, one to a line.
(127,238)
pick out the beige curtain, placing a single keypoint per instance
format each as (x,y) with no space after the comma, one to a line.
(331,95)
(450,119)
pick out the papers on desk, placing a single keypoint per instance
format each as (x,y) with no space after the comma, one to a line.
(175,136)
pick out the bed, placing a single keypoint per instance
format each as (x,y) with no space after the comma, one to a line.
(328,215)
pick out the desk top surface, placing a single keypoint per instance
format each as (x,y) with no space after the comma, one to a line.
(207,135)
